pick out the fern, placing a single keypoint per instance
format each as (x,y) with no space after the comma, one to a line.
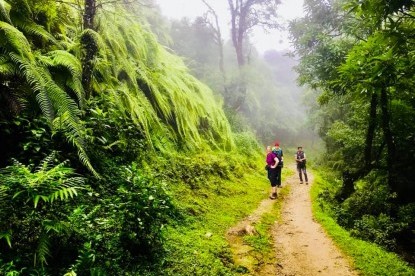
(7,68)
(14,41)
(42,250)
(8,237)
(70,62)
(30,28)
(152,80)
(5,11)
(55,226)
(46,184)
(41,186)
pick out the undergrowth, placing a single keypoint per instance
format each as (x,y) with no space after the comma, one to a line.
(368,258)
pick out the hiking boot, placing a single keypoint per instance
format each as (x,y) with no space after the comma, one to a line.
(273,196)
(301,182)
(306,183)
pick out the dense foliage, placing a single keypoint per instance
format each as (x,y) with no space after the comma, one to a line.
(115,160)
(98,121)
(359,57)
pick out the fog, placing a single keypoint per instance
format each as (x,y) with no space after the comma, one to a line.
(263,41)
(275,106)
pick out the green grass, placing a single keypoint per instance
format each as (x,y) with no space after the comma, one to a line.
(197,245)
(263,243)
(368,258)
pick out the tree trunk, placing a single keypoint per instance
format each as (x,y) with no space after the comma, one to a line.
(89,46)
(387,132)
(219,41)
(349,178)
(89,14)
(370,131)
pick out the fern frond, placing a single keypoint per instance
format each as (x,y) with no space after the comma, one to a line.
(42,250)
(63,194)
(14,41)
(5,11)
(74,133)
(46,163)
(8,237)
(66,59)
(70,62)
(34,78)
(55,226)
(7,69)
(31,28)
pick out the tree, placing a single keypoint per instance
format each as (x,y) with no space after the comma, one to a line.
(247,14)
(217,37)
(89,44)
(357,51)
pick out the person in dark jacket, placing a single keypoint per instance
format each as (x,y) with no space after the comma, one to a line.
(300,158)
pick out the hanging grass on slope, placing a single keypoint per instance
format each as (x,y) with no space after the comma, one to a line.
(155,88)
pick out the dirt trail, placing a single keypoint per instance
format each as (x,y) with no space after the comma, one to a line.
(301,245)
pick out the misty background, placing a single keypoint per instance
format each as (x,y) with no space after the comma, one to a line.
(275,107)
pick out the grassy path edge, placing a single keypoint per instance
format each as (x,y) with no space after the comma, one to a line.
(368,258)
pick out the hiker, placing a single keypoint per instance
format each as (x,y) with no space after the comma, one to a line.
(278,151)
(300,158)
(272,163)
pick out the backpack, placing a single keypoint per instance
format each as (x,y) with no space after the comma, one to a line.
(279,154)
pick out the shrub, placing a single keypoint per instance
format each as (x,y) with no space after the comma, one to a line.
(33,212)
(124,228)
(370,198)
(380,229)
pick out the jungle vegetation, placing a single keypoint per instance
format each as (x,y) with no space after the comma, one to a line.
(124,136)
(96,116)
(358,56)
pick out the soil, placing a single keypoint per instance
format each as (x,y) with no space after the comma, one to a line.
(302,248)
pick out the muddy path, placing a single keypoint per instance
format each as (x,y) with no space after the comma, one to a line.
(302,248)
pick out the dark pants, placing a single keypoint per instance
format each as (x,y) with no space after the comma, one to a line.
(302,169)
(273,176)
(278,168)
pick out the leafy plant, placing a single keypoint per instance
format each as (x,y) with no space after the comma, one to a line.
(31,213)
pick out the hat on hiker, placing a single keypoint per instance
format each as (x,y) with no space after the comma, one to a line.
(277,144)
(299,147)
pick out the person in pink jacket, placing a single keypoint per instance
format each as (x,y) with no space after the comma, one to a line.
(272,163)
